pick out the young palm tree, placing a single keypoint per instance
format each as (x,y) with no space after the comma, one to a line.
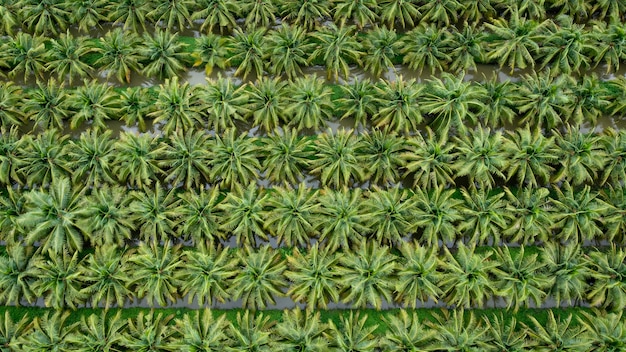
(251,333)
(149,332)
(64,57)
(156,272)
(517,41)
(534,215)
(176,107)
(614,143)
(8,17)
(10,147)
(406,333)
(591,100)
(358,101)
(313,278)
(163,54)
(12,206)
(453,102)
(436,215)
(578,213)
(17,276)
(157,212)
(244,214)
(467,46)
(606,330)
(455,332)
(136,104)
(136,159)
(58,279)
(106,276)
(106,217)
(530,156)
(480,157)
(88,14)
(338,48)
(505,334)
(118,54)
(43,16)
(306,13)
(11,332)
(11,111)
(300,331)
(222,102)
(93,103)
(132,13)
(186,158)
(342,222)
(403,12)
(545,101)
(210,50)
(390,215)
(216,13)
(293,216)
(522,278)
(267,100)
(479,11)
(50,332)
(172,13)
(614,219)
(207,274)
(367,275)
(91,158)
(286,156)
(353,333)
(42,159)
(557,334)
(53,217)
(289,47)
(581,156)
(498,101)
(99,332)
(247,50)
(381,46)
(484,216)
(47,105)
(24,54)
(309,105)
(610,47)
(202,331)
(426,46)
(399,105)
(235,159)
(440,12)
(570,270)
(360,12)
(566,46)
(260,13)
(418,278)
(260,278)
(429,160)
(337,158)
(608,269)
(199,215)
(466,279)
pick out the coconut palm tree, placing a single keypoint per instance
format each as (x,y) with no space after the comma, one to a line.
(516,42)
(8,17)
(390,215)
(337,158)
(610,48)
(186,157)
(477,11)
(614,220)
(557,334)
(436,215)
(399,105)
(91,158)
(452,102)
(578,213)
(429,160)
(426,46)
(244,214)
(591,100)
(52,217)
(99,332)
(505,334)
(12,206)
(216,13)
(467,45)
(47,105)
(11,98)
(64,57)
(614,143)
(235,159)
(606,330)
(11,332)
(300,331)
(163,54)
(261,14)
(480,156)
(417,274)
(531,156)
(156,209)
(399,11)
(172,13)
(498,102)
(314,280)
(440,12)
(17,275)
(43,16)
(210,50)
(222,102)
(156,272)
(581,156)
(42,159)
(406,333)
(522,278)
(252,332)
(260,278)
(136,159)
(358,101)
(577,9)
(566,46)
(309,105)
(107,277)
(612,10)
(118,54)
(338,48)
(534,215)
(267,100)
(305,13)
(353,333)
(149,332)
(106,217)
(484,216)
(207,274)
(87,14)
(199,215)
(466,279)
(58,279)
(247,50)
(545,101)
(608,269)
(202,331)
(176,107)
(93,103)
(293,216)
(286,156)
(570,270)
(381,155)
(136,103)
(132,13)
(50,332)
(367,275)
(24,54)
(10,147)
(455,332)
(342,222)
(288,47)
(360,12)
(381,46)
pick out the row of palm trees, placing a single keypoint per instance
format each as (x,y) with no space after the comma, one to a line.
(454,330)
(484,158)
(52,16)
(560,45)
(370,275)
